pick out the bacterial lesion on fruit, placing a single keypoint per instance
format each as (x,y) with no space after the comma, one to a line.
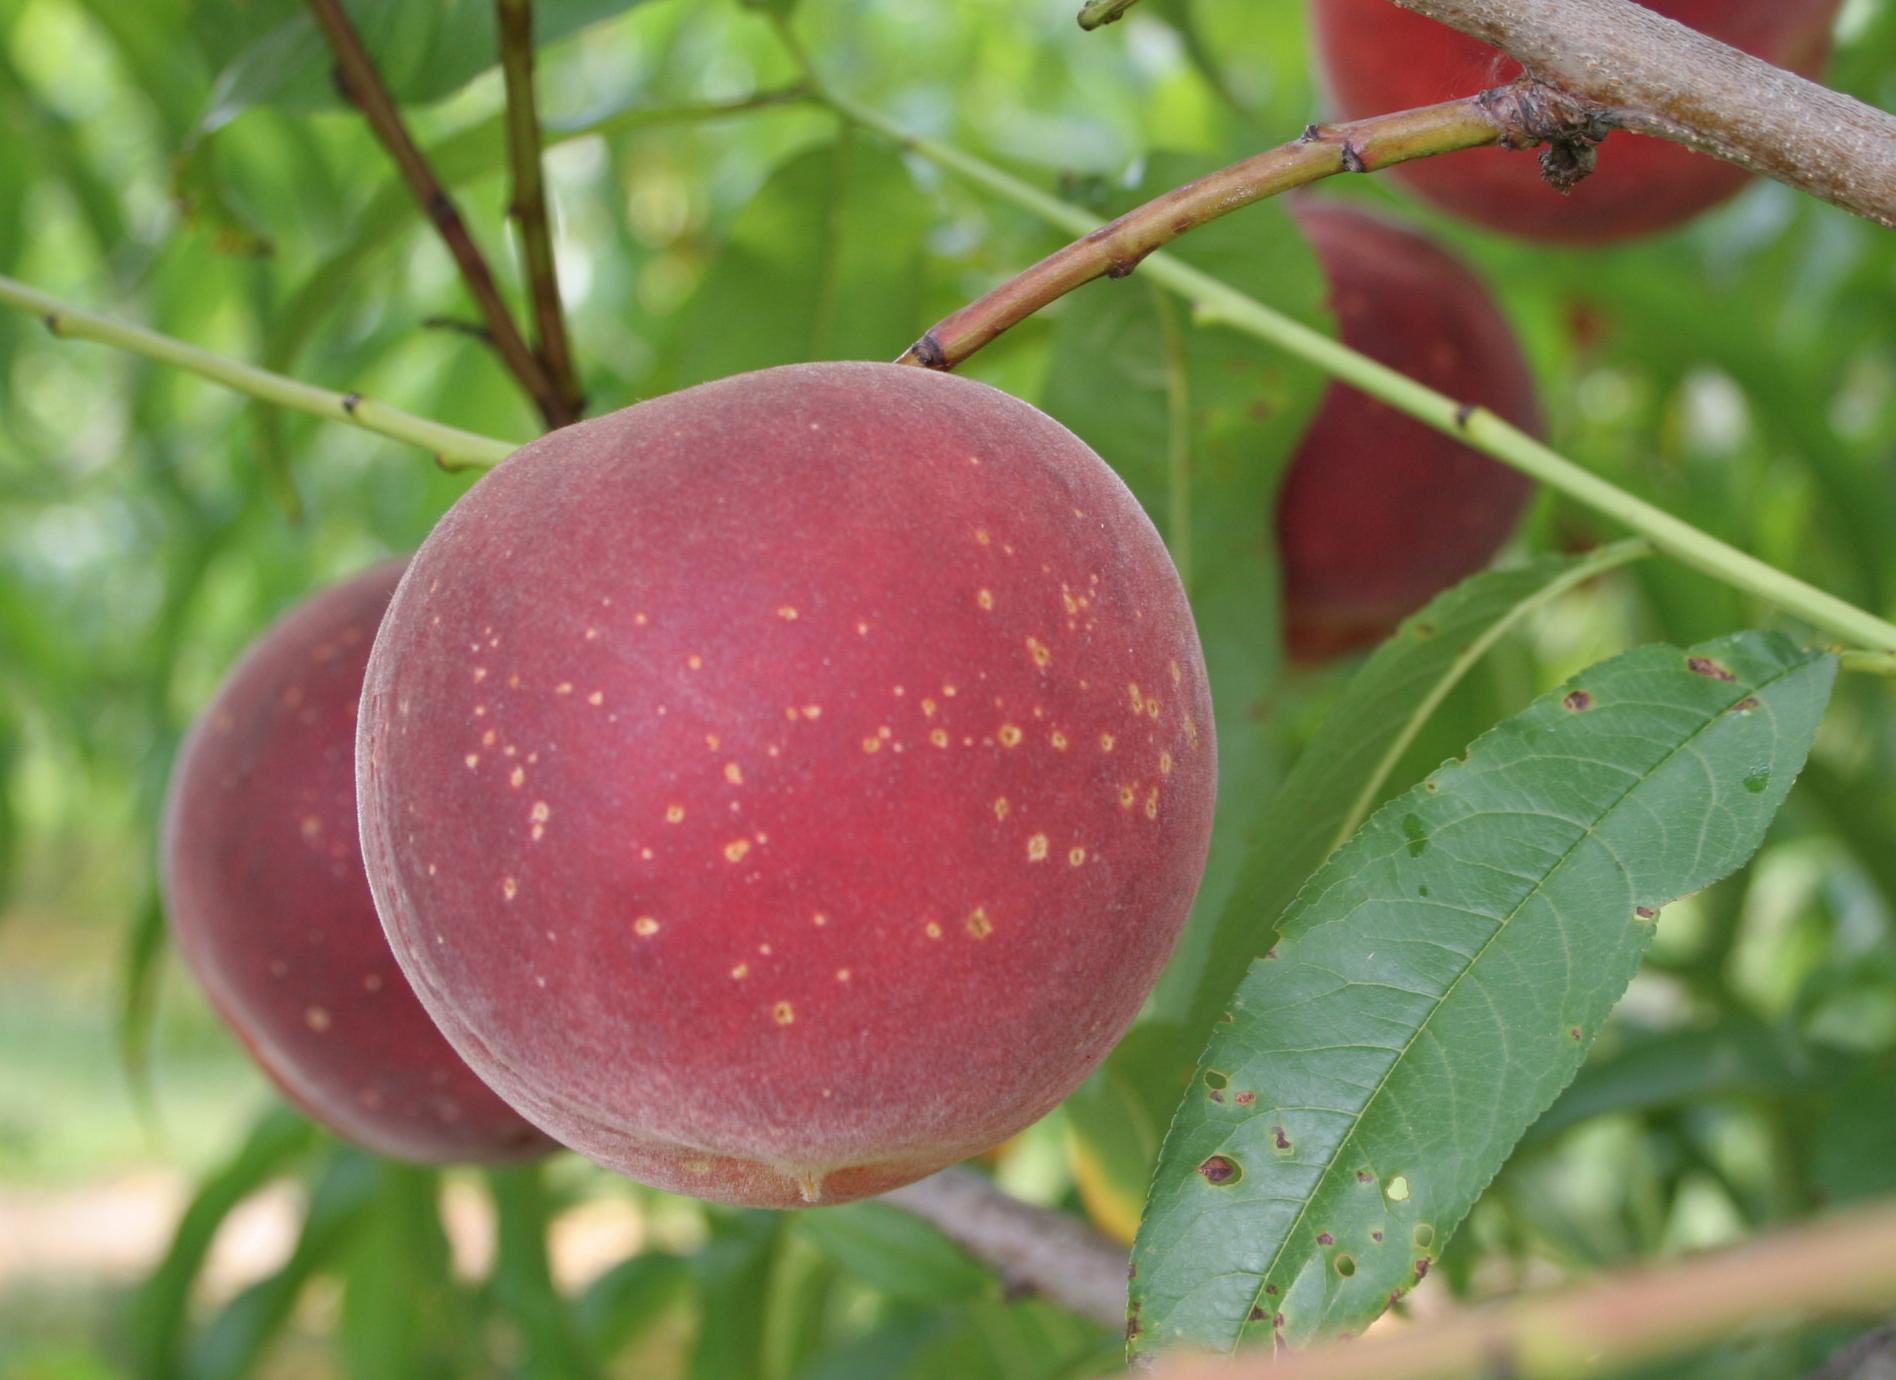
(1037,848)
(1009,735)
(736,849)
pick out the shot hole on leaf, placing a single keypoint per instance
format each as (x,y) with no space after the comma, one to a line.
(1346,1265)
(1423,1235)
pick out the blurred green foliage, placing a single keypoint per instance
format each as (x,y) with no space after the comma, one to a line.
(185,163)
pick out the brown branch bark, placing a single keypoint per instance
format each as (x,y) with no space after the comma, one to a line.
(1658,77)
(528,207)
(1049,1253)
(364,87)
(1843,1267)
(1520,115)
(1870,1357)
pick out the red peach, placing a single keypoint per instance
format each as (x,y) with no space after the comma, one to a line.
(1379,513)
(1375,58)
(782,789)
(265,892)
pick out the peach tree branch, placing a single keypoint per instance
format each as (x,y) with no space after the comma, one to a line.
(453,448)
(1841,1268)
(1051,1253)
(1518,115)
(364,88)
(528,206)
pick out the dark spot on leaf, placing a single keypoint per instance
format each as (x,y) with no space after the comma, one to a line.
(1430,786)
(1278,1322)
(1363,1176)
(1645,913)
(1280,1140)
(1422,1269)
(1245,1099)
(1257,1314)
(1574,1031)
(1579,701)
(1132,1271)
(1220,1170)
(1424,629)
(1325,1239)
(1705,666)
(1748,703)
(1377,1237)
(1216,1096)
(1270,953)
(1462,414)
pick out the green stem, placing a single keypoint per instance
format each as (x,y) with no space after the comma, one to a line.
(1869,663)
(453,448)
(1220,304)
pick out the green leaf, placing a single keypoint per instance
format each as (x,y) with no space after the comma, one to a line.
(400,1301)
(895,1252)
(1340,775)
(734,1268)
(1439,980)
(422,52)
(1345,769)
(624,1301)
(523,1279)
(339,1206)
(824,262)
(161,1310)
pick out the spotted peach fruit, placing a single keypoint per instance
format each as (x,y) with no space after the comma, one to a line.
(1379,513)
(264,888)
(787,787)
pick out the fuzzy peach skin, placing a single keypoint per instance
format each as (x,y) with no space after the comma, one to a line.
(264,889)
(782,789)
(1374,57)
(1379,513)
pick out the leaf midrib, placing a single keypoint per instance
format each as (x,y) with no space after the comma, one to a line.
(1474,961)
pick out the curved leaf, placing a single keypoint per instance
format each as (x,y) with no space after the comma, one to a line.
(1440,979)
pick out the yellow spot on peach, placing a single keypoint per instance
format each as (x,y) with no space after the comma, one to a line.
(1009,735)
(1059,741)
(783,1013)
(1152,803)
(597,697)
(1072,604)
(316,1018)
(842,975)
(473,760)
(790,712)
(985,598)
(819,919)
(480,674)
(1127,795)
(862,629)
(646,854)
(1106,741)
(872,745)
(509,888)
(1039,651)
(735,850)
(741,971)
(1191,730)
(540,813)
(981,535)
(372,982)
(538,832)
(978,924)
(1133,695)
(638,620)
(487,738)
(592,634)
(788,614)
(1037,848)
(312,826)
(939,737)
(645,927)
(565,687)
(695,662)
(1152,706)
(928,707)
(674,814)
(932,930)
(885,732)
(949,691)
(513,682)
(812,711)
(1001,807)
(1076,856)
(1177,675)
(712,741)
(480,711)
(734,773)
(1165,763)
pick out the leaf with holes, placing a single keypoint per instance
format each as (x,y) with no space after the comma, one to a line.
(1440,979)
